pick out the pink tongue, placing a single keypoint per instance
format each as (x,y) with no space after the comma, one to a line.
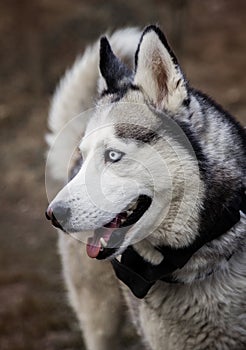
(93,245)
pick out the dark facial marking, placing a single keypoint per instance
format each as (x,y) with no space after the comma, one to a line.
(75,168)
(136,132)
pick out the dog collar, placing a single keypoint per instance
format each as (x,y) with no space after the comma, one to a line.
(140,275)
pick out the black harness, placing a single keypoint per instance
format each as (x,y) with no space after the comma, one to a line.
(140,275)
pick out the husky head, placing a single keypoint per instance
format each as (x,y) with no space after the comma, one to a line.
(139,181)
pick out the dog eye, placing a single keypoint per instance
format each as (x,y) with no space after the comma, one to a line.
(113,156)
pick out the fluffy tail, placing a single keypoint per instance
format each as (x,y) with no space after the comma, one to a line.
(75,95)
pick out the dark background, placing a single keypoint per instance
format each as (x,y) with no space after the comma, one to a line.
(38,40)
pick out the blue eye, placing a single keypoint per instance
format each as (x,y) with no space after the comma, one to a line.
(113,156)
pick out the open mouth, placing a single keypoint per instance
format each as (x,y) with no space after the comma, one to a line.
(108,239)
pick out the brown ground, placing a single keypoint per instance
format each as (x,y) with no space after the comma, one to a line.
(38,40)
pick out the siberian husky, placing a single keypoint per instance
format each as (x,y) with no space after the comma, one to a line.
(157,189)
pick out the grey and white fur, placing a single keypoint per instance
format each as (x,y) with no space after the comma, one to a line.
(128,110)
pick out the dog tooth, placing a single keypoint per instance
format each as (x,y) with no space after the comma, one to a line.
(134,206)
(103,242)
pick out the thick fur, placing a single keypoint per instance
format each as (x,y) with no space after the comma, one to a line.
(207,308)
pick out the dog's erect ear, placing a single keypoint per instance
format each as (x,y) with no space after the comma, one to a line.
(158,72)
(114,71)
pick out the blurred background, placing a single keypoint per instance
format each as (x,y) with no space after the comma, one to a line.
(39,39)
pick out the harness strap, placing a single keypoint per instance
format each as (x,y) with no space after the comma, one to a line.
(140,275)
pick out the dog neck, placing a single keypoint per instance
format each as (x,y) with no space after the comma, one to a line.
(140,270)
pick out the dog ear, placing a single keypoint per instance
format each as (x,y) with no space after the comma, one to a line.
(113,70)
(158,72)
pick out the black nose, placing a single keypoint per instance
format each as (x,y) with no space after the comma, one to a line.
(58,214)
